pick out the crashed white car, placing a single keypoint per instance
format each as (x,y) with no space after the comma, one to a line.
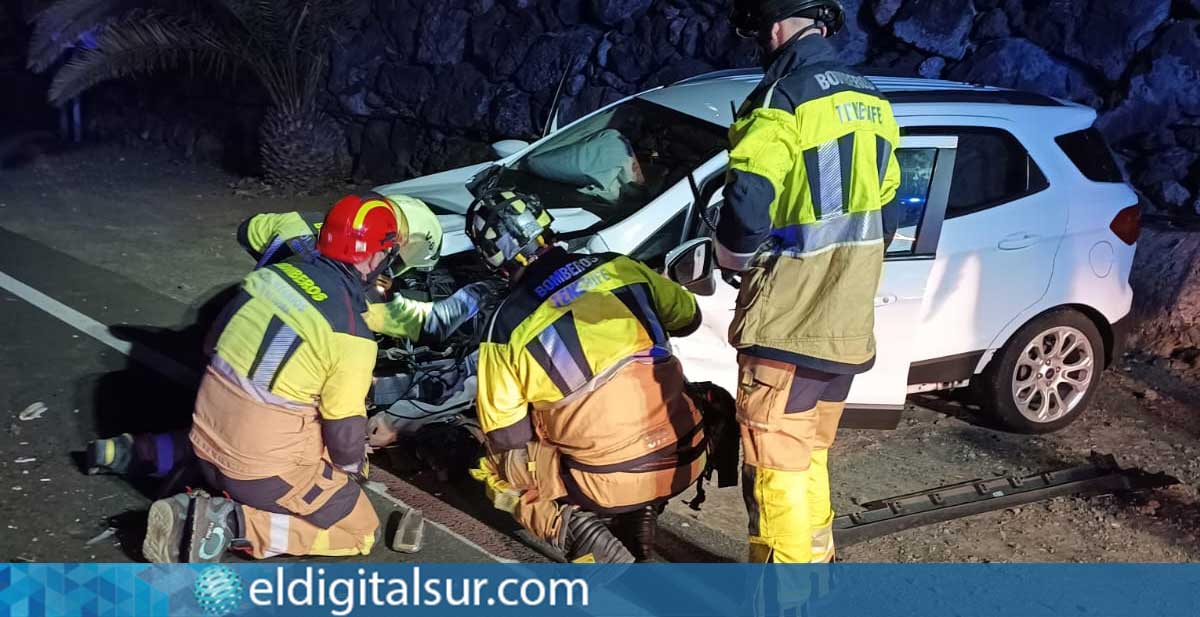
(1009,272)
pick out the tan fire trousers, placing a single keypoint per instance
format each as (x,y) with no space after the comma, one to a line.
(789,420)
(300,504)
(634,441)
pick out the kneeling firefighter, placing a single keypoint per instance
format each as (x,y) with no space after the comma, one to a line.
(271,238)
(280,419)
(583,404)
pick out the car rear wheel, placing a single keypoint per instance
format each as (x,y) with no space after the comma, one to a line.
(1046,375)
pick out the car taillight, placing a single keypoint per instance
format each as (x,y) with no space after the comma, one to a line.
(1128,225)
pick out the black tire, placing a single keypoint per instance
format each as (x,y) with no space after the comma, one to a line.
(995,387)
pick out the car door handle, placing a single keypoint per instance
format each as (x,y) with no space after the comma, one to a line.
(1018,241)
(885,300)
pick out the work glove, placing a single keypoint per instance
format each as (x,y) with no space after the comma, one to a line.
(502,495)
(381,291)
(449,314)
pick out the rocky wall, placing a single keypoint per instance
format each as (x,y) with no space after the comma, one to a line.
(424,84)
(413,73)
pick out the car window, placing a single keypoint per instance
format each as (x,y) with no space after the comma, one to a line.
(1091,154)
(617,161)
(992,168)
(908,207)
(654,250)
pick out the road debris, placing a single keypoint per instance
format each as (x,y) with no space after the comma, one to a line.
(33,412)
(103,535)
(1102,475)
(408,530)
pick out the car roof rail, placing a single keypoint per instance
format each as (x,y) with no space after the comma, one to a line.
(724,74)
(899,87)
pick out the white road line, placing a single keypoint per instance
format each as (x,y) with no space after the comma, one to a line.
(168,368)
(152,359)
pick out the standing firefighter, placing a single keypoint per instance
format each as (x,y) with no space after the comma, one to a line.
(582,402)
(812,165)
(280,420)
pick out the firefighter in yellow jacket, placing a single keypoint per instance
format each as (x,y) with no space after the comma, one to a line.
(581,400)
(280,419)
(812,163)
(271,238)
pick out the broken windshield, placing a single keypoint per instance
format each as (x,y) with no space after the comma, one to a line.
(616,161)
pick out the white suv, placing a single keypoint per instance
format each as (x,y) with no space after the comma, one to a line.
(1009,271)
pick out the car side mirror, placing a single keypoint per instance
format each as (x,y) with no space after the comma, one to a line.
(509,147)
(691,265)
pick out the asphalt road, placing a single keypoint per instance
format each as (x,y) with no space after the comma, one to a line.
(60,320)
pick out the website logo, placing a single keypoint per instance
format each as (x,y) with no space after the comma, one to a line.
(218,591)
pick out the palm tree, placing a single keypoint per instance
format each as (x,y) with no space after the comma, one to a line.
(284,44)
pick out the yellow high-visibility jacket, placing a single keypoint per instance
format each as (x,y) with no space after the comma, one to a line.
(568,322)
(294,339)
(812,164)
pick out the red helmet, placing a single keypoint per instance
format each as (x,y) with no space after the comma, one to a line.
(357,227)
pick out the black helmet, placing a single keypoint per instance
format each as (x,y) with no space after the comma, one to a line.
(508,227)
(750,16)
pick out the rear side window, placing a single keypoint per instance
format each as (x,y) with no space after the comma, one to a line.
(1090,153)
(992,168)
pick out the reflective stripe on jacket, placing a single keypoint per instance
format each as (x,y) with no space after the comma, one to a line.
(567,327)
(813,162)
(294,340)
(272,238)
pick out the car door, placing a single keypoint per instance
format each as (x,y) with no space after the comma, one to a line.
(926,169)
(1002,231)
(878,395)
(648,236)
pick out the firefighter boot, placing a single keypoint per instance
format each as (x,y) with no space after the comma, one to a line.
(636,531)
(190,528)
(114,455)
